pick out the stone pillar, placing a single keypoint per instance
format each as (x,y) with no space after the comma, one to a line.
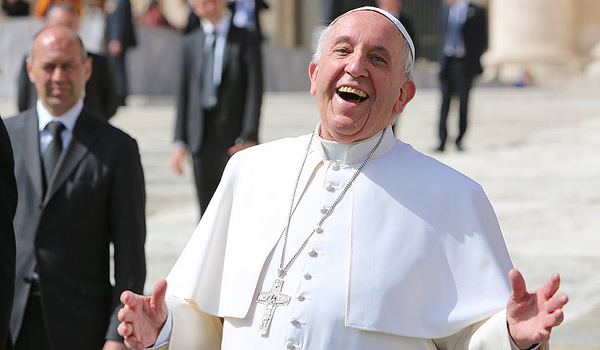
(534,36)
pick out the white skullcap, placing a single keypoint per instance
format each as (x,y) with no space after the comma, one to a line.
(392,18)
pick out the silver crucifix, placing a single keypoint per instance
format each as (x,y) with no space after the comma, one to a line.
(271,299)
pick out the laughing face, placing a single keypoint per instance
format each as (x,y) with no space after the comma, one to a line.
(358,80)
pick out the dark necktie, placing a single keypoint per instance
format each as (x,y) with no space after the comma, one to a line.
(53,150)
(209,90)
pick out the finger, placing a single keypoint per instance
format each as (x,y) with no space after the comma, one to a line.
(126,297)
(126,315)
(124,329)
(555,319)
(158,293)
(517,284)
(557,302)
(551,286)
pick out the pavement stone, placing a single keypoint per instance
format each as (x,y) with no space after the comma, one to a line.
(533,149)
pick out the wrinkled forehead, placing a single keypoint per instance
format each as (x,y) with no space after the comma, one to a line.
(366,27)
(376,17)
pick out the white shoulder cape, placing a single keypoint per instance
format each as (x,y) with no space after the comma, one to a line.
(428,257)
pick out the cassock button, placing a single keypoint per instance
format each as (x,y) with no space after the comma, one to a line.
(329,187)
(319,229)
(307,276)
(335,166)
(289,345)
(294,321)
(301,297)
(312,253)
(324,210)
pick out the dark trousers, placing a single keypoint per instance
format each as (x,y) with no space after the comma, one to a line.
(32,335)
(120,74)
(210,162)
(455,79)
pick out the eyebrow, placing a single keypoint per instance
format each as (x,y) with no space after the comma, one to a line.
(382,50)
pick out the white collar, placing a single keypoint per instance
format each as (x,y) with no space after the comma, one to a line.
(355,152)
(68,119)
(222,27)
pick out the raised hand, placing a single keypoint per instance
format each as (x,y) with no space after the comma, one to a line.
(143,317)
(532,315)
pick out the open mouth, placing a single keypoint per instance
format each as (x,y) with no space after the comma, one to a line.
(351,94)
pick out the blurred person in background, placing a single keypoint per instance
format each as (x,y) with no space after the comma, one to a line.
(464,34)
(100,91)
(153,17)
(120,35)
(246,14)
(15,7)
(219,97)
(81,191)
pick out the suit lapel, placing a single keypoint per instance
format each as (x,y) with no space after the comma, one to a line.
(198,54)
(230,44)
(81,141)
(33,159)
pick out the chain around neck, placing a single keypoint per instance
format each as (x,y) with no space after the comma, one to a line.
(283,268)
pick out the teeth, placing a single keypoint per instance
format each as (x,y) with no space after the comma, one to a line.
(352,91)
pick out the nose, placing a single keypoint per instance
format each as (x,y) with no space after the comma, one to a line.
(58,74)
(357,65)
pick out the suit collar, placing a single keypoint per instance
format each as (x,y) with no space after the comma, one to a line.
(31,146)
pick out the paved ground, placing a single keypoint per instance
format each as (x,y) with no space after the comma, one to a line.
(533,149)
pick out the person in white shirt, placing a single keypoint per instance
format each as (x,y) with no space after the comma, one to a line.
(346,238)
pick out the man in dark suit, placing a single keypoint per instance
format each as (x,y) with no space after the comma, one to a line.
(120,35)
(246,14)
(219,98)
(81,188)
(464,36)
(8,205)
(100,91)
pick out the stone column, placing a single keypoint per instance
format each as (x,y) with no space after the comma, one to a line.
(534,36)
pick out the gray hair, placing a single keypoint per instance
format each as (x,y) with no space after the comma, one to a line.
(409,62)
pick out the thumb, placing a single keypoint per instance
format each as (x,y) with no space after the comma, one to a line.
(157,300)
(517,285)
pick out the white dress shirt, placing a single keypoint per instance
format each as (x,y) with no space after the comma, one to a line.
(68,119)
(221,30)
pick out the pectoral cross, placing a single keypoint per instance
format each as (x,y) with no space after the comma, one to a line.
(271,299)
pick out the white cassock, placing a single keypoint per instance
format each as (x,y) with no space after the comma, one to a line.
(412,257)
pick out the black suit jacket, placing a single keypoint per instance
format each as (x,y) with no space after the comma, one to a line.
(100,91)
(475,35)
(120,25)
(8,205)
(239,95)
(96,198)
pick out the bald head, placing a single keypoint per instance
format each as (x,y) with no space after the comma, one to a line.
(62,14)
(58,67)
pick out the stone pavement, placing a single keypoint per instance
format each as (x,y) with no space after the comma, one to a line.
(534,150)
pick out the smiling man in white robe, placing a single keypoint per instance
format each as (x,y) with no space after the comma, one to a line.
(346,238)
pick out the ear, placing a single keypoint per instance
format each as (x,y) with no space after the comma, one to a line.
(313,71)
(88,69)
(30,69)
(407,92)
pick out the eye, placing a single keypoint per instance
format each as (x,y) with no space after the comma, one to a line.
(378,59)
(341,50)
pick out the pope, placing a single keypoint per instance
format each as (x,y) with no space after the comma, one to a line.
(346,238)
